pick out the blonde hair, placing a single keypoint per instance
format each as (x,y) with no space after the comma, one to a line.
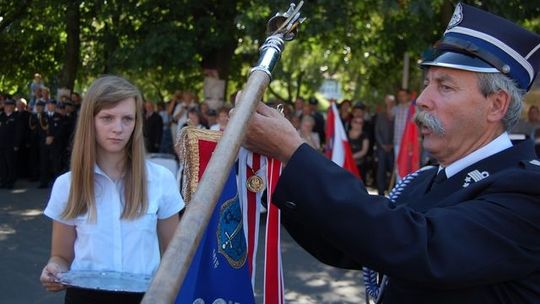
(106,92)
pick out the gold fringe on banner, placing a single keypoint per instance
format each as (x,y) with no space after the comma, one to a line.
(187,149)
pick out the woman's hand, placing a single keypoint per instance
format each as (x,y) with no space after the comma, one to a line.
(62,253)
(49,278)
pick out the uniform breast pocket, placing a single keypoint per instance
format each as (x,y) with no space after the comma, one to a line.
(146,223)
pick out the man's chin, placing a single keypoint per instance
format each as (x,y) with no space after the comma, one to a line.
(429,144)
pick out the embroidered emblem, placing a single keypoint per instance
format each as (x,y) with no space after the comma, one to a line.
(474,176)
(230,235)
(457,17)
(535,162)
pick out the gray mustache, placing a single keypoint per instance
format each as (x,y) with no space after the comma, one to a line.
(426,119)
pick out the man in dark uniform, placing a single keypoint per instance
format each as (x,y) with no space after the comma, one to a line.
(11,139)
(467,231)
(152,128)
(70,122)
(51,134)
(37,124)
(23,155)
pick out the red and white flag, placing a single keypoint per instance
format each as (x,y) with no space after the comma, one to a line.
(408,159)
(337,143)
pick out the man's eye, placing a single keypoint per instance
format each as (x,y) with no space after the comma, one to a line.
(445,87)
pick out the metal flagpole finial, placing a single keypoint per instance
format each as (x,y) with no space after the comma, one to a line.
(286,23)
(280,28)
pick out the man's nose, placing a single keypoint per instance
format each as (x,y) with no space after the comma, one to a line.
(424,100)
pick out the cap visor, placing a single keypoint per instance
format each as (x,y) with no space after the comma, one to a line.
(460,62)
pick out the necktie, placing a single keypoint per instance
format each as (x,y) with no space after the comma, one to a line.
(439,179)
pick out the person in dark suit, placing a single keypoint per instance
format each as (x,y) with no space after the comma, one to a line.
(11,140)
(152,128)
(51,143)
(23,154)
(466,231)
(70,121)
(37,125)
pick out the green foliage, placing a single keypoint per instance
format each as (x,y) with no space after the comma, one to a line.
(164,45)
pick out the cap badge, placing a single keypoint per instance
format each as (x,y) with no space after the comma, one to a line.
(457,17)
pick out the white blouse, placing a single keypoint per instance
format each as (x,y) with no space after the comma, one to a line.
(112,243)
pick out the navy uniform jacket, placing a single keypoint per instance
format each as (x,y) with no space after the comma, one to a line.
(52,126)
(475,243)
(11,131)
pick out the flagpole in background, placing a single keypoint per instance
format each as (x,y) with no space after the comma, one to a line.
(179,254)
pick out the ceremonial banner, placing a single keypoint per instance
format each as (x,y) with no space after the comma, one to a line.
(219,271)
(408,159)
(337,147)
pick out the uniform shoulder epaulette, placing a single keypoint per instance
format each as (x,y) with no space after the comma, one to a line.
(533,164)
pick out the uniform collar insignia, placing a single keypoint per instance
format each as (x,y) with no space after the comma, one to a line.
(474,176)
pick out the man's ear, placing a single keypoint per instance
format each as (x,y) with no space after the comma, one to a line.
(499,103)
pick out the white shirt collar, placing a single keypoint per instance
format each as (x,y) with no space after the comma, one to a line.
(502,142)
(99,171)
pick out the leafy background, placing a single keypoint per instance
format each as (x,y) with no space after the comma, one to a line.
(163,45)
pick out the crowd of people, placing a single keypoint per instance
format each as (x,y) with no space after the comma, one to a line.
(36,133)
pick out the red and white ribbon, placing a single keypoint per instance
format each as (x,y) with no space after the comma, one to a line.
(269,170)
(273,269)
(251,164)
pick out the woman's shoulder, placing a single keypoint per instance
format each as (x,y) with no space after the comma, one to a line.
(63,180)
(156,171)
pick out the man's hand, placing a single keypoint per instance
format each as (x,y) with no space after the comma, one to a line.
(270,133)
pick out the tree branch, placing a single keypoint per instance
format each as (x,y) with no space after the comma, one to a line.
(275,93)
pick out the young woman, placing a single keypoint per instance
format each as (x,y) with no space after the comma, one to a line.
(114,211)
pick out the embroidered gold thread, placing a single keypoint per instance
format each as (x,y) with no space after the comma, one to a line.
(187,149)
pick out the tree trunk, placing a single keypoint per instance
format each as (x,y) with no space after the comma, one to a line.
(73,43)
(219,57)
(111,37)
(298,86)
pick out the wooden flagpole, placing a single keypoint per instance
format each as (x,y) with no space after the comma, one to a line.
(177,258)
